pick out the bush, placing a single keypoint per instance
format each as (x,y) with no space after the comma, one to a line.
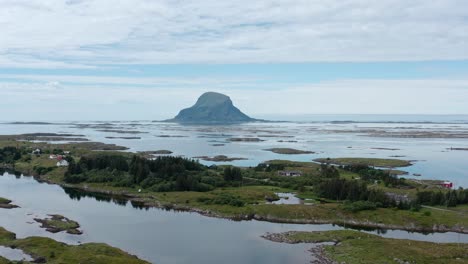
(360,206)
(223,199)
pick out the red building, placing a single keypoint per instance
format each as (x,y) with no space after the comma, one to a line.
(447,184)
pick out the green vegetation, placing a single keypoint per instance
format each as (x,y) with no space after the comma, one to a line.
(46,250)
(352,194)
(447,198)
(219,158)
(58,223)
(6,204)
(384,163)
(289,151)
(358,247)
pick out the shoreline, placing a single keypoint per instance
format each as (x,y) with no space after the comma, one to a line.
(247,217)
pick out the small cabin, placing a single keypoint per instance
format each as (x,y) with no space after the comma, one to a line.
(447,184)
(37,152)
(290,173)
(62,163)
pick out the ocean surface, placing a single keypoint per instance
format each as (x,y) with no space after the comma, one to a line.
(161,236)
(430,142)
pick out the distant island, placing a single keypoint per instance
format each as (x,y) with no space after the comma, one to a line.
(212,108)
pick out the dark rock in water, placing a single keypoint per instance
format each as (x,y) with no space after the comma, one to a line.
(212,107)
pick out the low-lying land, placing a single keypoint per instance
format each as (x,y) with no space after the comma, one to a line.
(356,195)
(58,223)
(357,247)
(118,131)
(47,250)
(6,204)
(289,151)
(392,149)
(465,149)
(170,136)
(420,134)
(218,158)
(156,152)
(123,137)
(44,137)
(245,139)
(383,163)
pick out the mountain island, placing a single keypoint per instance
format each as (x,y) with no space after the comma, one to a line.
(212,108)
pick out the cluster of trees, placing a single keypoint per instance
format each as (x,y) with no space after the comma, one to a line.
(10,155)
(161,174)
(267,167)
(232,174)
(359,197)
(448,198)
(99,162)
(370,174)
(328,171)
(351,190)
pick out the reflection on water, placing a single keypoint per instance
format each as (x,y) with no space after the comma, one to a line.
(161,236)
(77,194)
(14,254)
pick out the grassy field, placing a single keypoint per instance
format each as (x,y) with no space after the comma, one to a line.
(255,205)
(384,163)
(357,247)
(57,252)
(253,198)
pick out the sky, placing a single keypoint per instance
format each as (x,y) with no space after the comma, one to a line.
(146,60)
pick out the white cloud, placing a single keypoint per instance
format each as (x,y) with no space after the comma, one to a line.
(89,32)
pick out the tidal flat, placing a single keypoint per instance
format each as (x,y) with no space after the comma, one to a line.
(246,200)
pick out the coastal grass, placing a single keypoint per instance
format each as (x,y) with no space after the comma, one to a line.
(358,247)
(256,205)
(374,162)
(6,203)
(56,252)
(58,223)
(254,199)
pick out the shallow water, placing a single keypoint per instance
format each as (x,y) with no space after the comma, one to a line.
(432,157)
(14,254)
(157,235)
(288,198)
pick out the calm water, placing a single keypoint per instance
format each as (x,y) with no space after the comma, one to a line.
(180,237)
(432,157)
(157,235)
(14,254)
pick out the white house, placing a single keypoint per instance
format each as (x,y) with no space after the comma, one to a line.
(62,163)
(290,173)
(37,151)
(52,156)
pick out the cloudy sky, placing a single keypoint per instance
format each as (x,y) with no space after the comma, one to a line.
(142,59)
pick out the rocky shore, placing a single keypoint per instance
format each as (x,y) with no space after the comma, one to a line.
(317,251)
(58,223)
(6,204)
